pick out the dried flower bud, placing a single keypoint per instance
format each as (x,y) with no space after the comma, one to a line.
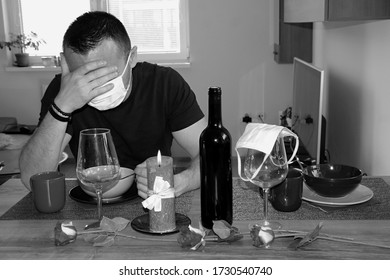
(226,232)
(262,236)
(191,237)
(64,233)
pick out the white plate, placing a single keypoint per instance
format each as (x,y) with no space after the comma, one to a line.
(64,157)
(11,161)
(359,195)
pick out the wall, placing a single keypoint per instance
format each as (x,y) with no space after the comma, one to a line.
(231,46)
(356,58)
(20,94)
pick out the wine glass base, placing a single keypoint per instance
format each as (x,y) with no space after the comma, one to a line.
(92,225)
(270,224)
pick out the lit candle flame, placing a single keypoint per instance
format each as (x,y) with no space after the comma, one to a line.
(159,158)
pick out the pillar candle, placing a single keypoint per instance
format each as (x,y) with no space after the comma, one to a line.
(164,220)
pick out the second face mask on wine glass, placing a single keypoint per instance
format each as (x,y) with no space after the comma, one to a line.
(262,138)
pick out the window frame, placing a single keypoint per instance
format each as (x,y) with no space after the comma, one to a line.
(162,58)
(13,23)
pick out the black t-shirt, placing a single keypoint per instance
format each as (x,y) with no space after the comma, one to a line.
(160,103)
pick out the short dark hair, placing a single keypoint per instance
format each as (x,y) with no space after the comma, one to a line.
(91,28)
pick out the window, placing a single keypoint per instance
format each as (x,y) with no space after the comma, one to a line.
(159,28)
(50,21)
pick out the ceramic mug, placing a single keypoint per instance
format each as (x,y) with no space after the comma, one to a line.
(287,196)
(48,190)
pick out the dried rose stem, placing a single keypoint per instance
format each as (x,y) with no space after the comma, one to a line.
(336,239)
(122,235)
(282,234)
(90,231)
(354,242)
(287,233)
(145,238)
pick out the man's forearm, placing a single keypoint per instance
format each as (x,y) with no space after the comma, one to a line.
(189,179)
(42,151)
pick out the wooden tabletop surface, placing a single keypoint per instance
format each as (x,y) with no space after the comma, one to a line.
(34,239)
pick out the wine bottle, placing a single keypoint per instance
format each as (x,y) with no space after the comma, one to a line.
(215,166)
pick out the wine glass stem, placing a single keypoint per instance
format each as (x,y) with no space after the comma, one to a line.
(265,197)
(99,197)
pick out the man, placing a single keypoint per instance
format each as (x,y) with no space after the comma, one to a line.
(145,106)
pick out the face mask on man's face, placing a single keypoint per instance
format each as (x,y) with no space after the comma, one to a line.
(115,96)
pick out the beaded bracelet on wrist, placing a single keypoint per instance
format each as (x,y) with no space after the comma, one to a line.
(60,111)
(57,116)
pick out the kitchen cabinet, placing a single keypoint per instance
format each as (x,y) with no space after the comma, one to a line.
(335,10)
(291,39)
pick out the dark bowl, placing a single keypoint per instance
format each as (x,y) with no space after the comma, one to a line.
(332,180)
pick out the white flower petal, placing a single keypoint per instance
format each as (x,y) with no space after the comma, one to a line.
(68,229)
(197,231)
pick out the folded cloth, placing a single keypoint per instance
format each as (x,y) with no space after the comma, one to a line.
(7,122)
(5,141)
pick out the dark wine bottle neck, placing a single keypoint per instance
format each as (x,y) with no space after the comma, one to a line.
(215,115)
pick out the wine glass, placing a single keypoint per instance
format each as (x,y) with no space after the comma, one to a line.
(97,164)
(273,171)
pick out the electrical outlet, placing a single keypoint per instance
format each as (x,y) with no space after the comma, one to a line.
(261,117)
(309,119)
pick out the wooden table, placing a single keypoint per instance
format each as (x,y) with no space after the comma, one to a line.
(33,239)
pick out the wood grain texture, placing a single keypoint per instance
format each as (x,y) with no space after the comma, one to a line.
(358,10)
(294,39)
(335,10)
(34,239)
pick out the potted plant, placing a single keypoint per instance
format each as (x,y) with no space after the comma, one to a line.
(22,42)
